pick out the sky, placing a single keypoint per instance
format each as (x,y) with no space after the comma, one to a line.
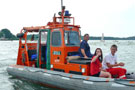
(111,17)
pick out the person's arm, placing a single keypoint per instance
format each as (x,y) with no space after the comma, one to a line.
(115,65)
(120,64)
(83,53)
(107,59)
(94,58)
(83,47)
(110,66)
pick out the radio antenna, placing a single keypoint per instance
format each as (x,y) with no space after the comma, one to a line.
(61,4)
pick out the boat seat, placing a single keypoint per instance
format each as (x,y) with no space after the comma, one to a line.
(73,53)
(80,61)
(31,52)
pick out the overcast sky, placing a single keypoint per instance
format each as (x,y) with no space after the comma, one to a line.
(111,17)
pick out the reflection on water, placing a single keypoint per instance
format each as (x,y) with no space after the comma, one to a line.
(9,50)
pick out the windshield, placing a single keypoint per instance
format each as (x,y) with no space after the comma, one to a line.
(32,37)
(72,38)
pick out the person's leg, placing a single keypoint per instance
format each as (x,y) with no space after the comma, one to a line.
(105,74)
(114,72)
(122,73)
(124,70)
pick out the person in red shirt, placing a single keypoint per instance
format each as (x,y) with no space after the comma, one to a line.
(96,66)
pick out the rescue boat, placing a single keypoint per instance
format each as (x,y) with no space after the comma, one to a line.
(49,55)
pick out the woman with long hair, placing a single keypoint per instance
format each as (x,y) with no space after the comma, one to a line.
(96,66)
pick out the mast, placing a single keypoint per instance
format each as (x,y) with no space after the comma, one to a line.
(64,16)
(102,38)
(61,4)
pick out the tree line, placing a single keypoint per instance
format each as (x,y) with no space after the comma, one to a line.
(5,33)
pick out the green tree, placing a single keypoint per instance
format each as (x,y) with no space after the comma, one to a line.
(1,34)
(8,35)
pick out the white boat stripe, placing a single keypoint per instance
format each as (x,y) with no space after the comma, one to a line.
(122,76)
(32,70)
(21,69)
(47,74)
(88,82)
(118,85)
(65,78)
(10,67)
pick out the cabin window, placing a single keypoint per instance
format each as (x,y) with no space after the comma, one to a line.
(32,37)
(43,37)
(56,38)
(23,40)
(72,38)
(43,45)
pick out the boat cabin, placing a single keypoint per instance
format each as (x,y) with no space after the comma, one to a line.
(50,46)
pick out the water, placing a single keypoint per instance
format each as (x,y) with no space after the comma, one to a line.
(8,56)
(9,50)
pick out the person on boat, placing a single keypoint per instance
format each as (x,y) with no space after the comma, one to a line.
(84,50)
(110,64)
(96,65)
(32,37)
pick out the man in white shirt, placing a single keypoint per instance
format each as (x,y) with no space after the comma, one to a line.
(110,64)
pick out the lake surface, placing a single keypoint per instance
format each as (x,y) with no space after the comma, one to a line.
(8,56)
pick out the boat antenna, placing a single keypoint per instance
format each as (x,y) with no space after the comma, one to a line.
(61,4)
